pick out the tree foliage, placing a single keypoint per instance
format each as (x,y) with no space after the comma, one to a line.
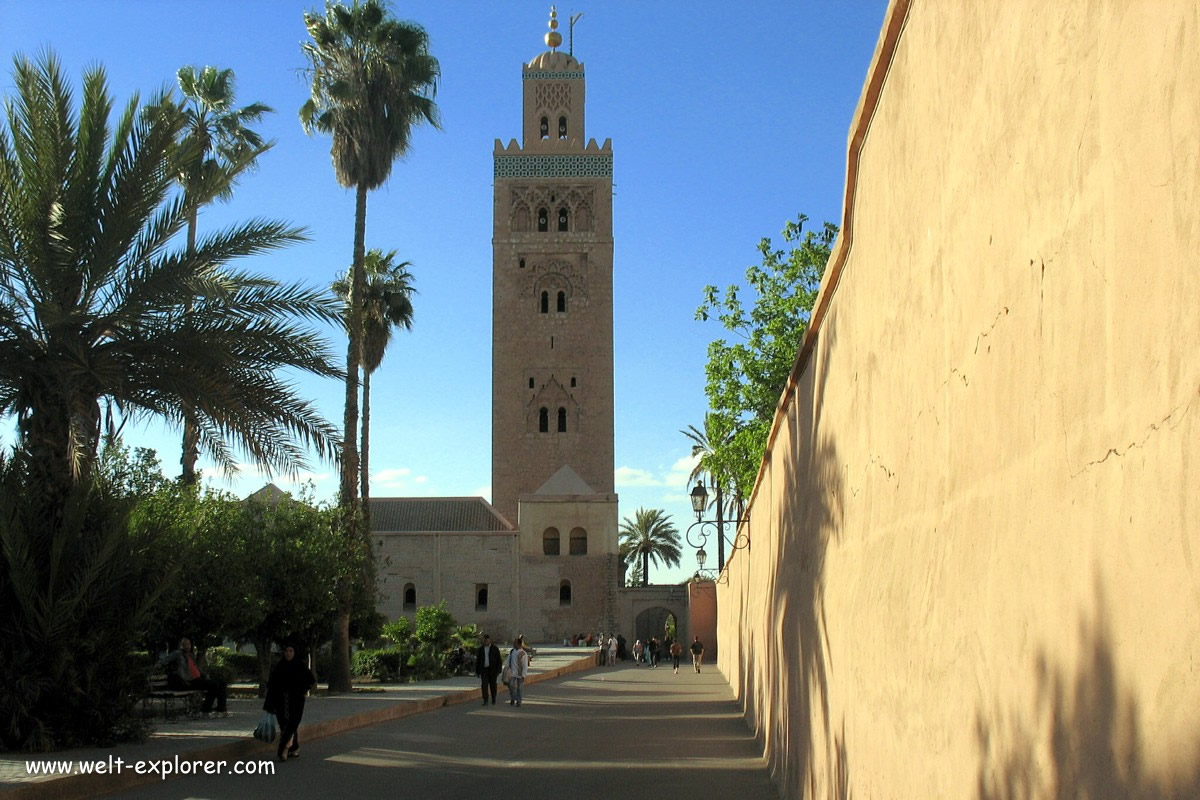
(745,377)
(103,316)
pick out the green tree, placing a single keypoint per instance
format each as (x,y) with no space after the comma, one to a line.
(386,306)
(373,80)
(649,537)
(218,146)
(76,596)
(745,379)
(92,290)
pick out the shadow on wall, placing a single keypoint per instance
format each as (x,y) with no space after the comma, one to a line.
(1084,739)
(808,757)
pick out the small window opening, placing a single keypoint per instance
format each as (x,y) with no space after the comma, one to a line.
(561,305)
(550,542)
(521,264)
(544,128)
(545,307)
(578,542)
(543,420)
(531,383)
(562,127)
(543,220)
(410,597)
(551,342)
(562,420)
(564,593)
(481,596)
(563,218)
(572,383)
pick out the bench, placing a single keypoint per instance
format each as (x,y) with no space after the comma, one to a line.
(173,702)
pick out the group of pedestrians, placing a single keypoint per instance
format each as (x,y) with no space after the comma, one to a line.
(650,651)
(489,667)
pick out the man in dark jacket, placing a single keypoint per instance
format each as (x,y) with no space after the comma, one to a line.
(487,667)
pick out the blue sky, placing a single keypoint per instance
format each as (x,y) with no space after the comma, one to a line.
(727,119)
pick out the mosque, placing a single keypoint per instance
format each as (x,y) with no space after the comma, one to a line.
(542,558)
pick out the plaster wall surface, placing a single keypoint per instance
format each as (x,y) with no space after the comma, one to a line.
(975,534)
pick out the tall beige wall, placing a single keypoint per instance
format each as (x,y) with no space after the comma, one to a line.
(975,536)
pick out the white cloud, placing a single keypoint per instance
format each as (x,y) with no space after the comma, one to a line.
(631,476)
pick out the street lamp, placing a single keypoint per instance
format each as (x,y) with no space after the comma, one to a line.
(697,535)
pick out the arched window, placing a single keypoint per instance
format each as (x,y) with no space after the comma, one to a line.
(521,221)
(578,542)
(564,217)
(562,127)
(564,593)
(550,542)
(583,219)
(543,420)
(481,596)
(545,306)
(410,597)
(544,128)
(543,220)
(562,420)
(531,383)
(561,306)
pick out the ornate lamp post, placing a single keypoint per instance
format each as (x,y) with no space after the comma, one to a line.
(698,533)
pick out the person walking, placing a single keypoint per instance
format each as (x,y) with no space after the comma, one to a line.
(637,652)
(183,675)
(518,668)
(612,650)
(676,652)
(653,647)
(697,648)
(487,667)
(289,683)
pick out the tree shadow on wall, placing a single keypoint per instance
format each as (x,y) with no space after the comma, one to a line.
(813,761)
(1083,739)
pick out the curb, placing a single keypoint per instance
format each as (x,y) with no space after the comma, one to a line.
(72,787)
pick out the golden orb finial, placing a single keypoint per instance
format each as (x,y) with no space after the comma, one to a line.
(553,38)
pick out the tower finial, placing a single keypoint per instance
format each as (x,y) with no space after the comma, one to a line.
(553,38)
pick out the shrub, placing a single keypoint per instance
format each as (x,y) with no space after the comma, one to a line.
(230,665)
(381,664)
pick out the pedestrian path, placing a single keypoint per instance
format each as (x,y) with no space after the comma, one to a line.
(583,730)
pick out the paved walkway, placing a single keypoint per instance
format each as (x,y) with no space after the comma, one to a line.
(583,731)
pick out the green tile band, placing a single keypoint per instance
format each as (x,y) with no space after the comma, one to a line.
(530,166)
(542,75)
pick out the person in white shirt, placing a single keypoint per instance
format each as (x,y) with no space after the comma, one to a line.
(518,667)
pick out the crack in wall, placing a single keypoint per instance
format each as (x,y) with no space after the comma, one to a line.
(985,334)
(1181,411)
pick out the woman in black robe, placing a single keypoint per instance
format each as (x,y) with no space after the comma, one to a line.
(289,683)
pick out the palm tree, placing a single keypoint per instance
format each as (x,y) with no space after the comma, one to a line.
(219,146)
(707,449)
(387,305)
(92,294)
(373,79)
(652,537)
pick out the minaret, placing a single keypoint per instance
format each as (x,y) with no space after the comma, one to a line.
(552,304)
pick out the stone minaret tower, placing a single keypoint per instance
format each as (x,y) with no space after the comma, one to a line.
(552,279)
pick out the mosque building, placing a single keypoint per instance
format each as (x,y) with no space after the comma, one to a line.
(542,558)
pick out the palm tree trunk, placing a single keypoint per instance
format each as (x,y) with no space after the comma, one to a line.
(364,467)
(339,669)
(191,436)
(645,568)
